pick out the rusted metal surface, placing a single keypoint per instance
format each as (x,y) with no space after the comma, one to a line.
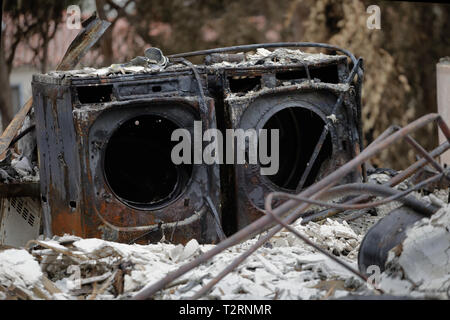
(338,127)
(73,136)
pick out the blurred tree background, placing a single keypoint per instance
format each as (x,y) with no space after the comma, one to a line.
(400,58)
(30,24)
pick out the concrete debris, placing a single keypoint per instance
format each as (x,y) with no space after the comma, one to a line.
(333,118)
(420,267)
(21,167)
(284,269)
(20,276)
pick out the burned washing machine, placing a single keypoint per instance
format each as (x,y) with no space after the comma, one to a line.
(104,139)
(105,157)
(314,102)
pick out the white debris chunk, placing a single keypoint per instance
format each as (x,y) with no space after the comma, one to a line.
(436,201)
(19,268)
(333,118)
(262,52)
(190,249)
(176,252)
(22,164)
(424,260)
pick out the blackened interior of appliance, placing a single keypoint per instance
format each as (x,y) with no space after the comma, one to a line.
(300,130)
(138,164)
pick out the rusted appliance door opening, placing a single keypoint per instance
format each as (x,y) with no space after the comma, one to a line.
(139,193)
(299,131)
(137,163)
(301,118)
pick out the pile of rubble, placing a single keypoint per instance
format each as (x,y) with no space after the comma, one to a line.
(285,268)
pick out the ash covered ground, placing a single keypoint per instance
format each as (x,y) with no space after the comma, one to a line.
(285,268)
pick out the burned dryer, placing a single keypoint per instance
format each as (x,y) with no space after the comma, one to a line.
(316,110)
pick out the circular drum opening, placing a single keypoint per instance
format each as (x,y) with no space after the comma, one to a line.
(300,130)
(138,165)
